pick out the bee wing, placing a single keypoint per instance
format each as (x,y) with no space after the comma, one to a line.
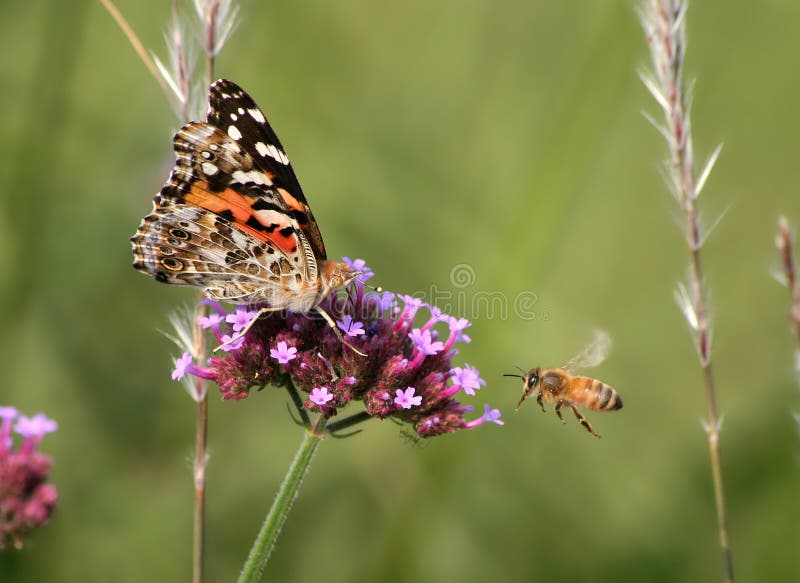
(595,352)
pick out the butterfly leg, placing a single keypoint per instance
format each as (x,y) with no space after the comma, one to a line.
(583,420)
(336,331)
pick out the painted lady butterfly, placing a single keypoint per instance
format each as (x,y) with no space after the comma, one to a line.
(232,218)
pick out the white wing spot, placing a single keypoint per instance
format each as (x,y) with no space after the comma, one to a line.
(277,155)
(241,111)
(209,168)
(257,115)
(234,132)
(261,148)
(214,147)
(234,117)
(205,154)
(255,176)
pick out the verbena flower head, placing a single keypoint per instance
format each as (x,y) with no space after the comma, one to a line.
(407,374)
(26,500)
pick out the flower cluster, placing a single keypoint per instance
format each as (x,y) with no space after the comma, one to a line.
(407,373)
(26,501)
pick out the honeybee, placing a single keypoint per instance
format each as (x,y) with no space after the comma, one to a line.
(562,387)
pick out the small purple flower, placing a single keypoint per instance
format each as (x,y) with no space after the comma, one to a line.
(184,366)
(228,344)
(489,415)
(457,326)
(424,342)
(406,399)
(35,427)
(8,413)
(359,265)
(468,378)
(350,327)
(181,366)
(492,415)
(213,320)
(436,316)
(385,300)
(412,306)
(320,396)
(241,318)
(284,353)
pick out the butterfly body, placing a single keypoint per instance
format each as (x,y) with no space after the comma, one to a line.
(232,218)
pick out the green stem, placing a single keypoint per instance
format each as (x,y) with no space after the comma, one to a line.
(298,404)
(268,535)
(349,422)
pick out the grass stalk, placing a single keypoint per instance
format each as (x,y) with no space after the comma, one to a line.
(664,22)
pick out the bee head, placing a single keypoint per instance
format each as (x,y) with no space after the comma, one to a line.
(530,383)
(531,380)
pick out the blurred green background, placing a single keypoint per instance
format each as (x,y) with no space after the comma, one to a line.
(504,136)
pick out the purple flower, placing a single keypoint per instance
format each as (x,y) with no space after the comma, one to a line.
(403,376)
(468,378)
(215,305)
(37,426)
(213,320)
(228,344)
(489,415)
(436,316)
(424,342)
(181,366)
(385,300)
(284,353)
(184,366)
(406,399)
(350,326)
(241,318)
(8,413)
(320,396)
(412,305)
(25,499)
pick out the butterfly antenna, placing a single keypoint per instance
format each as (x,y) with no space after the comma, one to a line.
(377,289)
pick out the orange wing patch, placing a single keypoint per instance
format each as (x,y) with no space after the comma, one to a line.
(238,208)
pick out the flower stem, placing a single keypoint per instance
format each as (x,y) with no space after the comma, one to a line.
(212,9)
(298,404)
(200,464)
(349,422)
(200,453)
(785,242)
(287,493)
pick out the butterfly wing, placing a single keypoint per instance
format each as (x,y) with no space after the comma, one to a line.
(233,111)
(244,229)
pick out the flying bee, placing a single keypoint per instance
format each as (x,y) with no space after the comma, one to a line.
(561,387)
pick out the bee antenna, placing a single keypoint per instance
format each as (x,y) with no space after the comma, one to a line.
(515,376)
(520,369)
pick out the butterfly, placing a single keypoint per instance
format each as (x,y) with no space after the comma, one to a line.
(232,218)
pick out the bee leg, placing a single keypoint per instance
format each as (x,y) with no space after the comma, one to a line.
(539,400)
(583,420)
(559,404)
